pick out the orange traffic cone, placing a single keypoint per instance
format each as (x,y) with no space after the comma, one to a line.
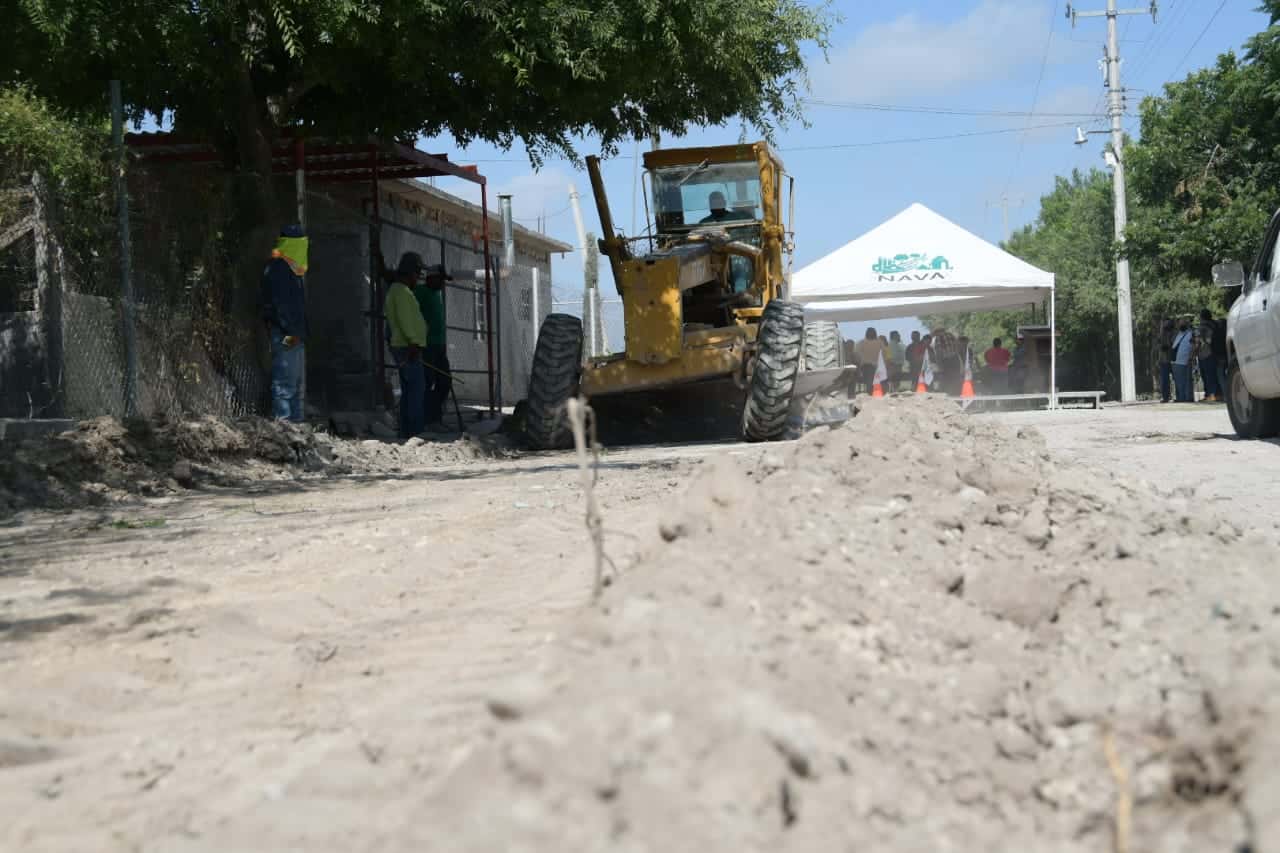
(966,390)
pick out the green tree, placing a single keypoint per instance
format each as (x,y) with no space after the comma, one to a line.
(534,71)
(1205,178)
(67,153)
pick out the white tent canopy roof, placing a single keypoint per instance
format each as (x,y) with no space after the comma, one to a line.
(918,262)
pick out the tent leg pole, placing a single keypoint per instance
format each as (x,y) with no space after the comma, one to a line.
(1053,352)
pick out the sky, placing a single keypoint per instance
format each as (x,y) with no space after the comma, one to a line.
(890,120)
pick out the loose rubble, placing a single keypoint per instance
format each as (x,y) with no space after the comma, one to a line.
(105,460)
(911,632)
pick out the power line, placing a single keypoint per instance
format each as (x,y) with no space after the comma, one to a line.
(896,108)
(1035,99)
(1187,55)
(906,140)
(543,217)
(868,144)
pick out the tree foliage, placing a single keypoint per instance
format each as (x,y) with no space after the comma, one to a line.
(539,72)
(536,71)
(68,154)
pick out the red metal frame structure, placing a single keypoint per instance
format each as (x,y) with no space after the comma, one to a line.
(347,162)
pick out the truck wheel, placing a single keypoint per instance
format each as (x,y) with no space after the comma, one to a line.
(779,348)
(823,346)
(1251,417)
(557,368)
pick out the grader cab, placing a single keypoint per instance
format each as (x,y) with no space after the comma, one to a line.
(703,294)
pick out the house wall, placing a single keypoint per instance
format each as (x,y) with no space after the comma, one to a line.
(339,293)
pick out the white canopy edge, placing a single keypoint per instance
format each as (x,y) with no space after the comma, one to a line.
(890,307)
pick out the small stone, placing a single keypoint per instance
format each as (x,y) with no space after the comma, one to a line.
(670,531)
(1014,743)
(183,474)
(517,698)
(416,441)
(771,462)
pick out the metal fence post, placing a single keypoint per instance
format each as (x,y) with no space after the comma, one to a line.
(126,261)
(590,305)
(535,305)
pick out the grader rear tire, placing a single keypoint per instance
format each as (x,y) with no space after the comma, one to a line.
(779,348)
(557,369)
(823,346)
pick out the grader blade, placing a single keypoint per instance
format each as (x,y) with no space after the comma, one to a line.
(822,398)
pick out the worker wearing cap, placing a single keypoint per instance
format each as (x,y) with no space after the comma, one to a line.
(408,337)
(435,357)
(284,311)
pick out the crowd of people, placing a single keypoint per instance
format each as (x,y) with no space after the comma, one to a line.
(1184,348)
(997,369)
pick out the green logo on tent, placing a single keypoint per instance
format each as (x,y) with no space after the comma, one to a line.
(910,263)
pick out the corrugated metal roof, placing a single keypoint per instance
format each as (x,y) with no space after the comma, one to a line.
(322,160)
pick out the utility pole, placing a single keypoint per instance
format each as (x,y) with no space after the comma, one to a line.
(1004,203)
(590,277)
(1115,111)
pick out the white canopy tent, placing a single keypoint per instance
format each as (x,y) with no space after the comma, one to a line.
(884,273)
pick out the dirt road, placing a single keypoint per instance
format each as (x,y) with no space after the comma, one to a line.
(171,671)
(1174,447)
(319,666)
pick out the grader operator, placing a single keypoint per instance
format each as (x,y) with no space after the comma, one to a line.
(703,296)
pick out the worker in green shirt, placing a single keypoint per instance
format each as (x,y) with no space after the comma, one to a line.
(408,338)
(439,381)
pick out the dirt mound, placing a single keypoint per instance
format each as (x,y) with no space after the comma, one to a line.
(105,460)
(912,632)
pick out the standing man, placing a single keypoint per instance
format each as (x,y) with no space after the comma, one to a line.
(897,360)
(915,358)
(1181,352)
(868,351)
(997,359)
(435,358)
(284,311)
(1207,350)
(950,360)
(1164,349)
(408,332)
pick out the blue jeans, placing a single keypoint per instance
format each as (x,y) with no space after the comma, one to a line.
(1182,383)
(286,379)
(439,382)
(413,390)
(1166,380)
(1209,374)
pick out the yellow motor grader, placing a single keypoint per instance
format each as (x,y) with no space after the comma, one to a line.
(703,294)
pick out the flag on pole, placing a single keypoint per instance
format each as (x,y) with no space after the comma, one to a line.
(881,377)
(925,380)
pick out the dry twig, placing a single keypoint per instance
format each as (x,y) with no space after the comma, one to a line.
(1124,797)
(582,421)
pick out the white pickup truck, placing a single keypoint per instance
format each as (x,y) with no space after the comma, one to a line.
(1253,340)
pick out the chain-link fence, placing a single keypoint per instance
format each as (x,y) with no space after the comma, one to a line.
(190,353)
(194,337)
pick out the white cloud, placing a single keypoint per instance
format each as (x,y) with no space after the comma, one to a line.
(916,55)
